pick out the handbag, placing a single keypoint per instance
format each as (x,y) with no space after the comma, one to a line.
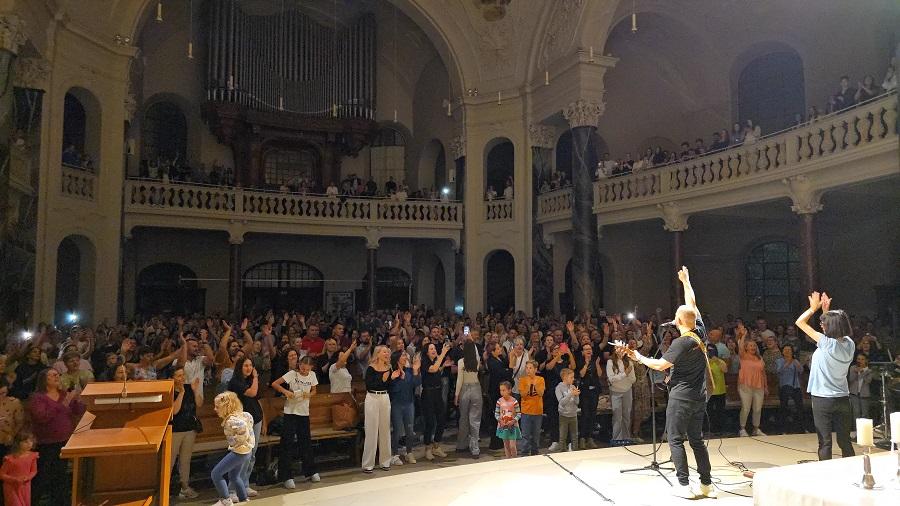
(344,416)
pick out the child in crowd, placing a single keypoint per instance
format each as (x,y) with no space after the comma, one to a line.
(301,387)
(620,372)
(531,388)
(238,427)
(567,395)
(17,471)
(715,406)
(507,412)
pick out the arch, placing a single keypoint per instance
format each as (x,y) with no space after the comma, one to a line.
(283,285)
(499,281)
(433,165)
(768,87)
(168,288)
(499,163)
(76,264)
(81,129)
(164,132)
(772,277)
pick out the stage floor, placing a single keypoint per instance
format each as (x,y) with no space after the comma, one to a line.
(538,480)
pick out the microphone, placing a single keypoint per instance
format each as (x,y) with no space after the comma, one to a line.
(669,324)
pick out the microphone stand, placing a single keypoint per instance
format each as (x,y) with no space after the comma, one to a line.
(653,465)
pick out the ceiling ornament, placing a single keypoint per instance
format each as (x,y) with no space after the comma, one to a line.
(560,34)
(492,10)
(12,33)
(542,136)
(31,73)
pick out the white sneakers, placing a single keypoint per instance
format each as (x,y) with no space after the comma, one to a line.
(684,492)
(188,493)
(410,459)
(315,478)
(289,484)
(554,447)
(252,492)
(396,461)
(757,432)
(709,491)
(743,433)
(224,502)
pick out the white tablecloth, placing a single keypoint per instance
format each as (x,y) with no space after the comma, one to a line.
(828,483)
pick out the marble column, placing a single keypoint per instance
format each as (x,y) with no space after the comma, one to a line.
(235,273)
(458,152)
(676,222)
(371,267)
(583,116)
(806,202)
(543,140)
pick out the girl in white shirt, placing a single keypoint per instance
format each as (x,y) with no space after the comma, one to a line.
(620,372)
(301,387)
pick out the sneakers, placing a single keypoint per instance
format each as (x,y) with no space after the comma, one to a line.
(188,493)
(757,432)
(743,433)
(386,468)
(252,492)
(396,461)
(709,491)
(428,453)
(289,484)
(315,478)
(684,492)
(437,451)
(554,447)
(570,448)
(368,470)
(224,502)
(410,459)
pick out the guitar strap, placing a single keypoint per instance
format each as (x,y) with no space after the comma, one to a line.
(702,346)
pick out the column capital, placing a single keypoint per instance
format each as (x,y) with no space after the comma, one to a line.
(541,136)
(12,33)
(32,73)
(458,147)
(804,197)
(674,220)
(583,113)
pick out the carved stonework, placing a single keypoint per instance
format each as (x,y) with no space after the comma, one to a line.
(675,220)
(458,147)
(32,73)
(561,31)
(131,106)
(542,136)
(805,198)
(583,113)
(498,42)
(12,33)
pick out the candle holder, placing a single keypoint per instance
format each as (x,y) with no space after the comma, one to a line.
(896,479)
(867,481)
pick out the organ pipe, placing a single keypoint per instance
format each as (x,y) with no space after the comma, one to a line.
(257,60)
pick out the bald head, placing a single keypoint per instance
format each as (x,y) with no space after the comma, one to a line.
(685,316)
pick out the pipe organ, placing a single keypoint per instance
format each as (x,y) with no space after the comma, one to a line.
(288,61)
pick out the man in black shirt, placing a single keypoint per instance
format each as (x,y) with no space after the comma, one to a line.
(687,392)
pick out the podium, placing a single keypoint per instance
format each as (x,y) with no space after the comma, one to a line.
(122,446)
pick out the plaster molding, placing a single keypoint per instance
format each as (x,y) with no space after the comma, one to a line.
(542,136)
(32,73)
(12,33)
(583,113)
(561,30)
(805,198)
(674,220)
(458,147)
(373,237)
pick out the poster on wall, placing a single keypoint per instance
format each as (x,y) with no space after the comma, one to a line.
(340,304)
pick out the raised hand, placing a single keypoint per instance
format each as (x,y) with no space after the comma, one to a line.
(225,325)
(244,324)
(683,275)
(826,302)
(570,326)
(815,301)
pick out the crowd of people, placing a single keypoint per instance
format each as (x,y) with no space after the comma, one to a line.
(527,382)
(744,132)
(73,158)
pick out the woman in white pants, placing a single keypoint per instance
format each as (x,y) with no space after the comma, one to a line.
(752,382)
(378,410)
(184,428)
(620,372)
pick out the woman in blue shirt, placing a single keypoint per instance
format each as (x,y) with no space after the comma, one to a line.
(828,374)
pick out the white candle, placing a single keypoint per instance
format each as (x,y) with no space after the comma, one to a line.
(592,53)
(449,111)
(546,77)
(864,434)
(498,98)
(395,115)
(895,427)
(281,103)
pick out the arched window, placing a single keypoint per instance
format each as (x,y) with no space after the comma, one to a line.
(499,164)
(74,123)
(773,278)
(81,130)
(164,133)
(283,285)
(771,91)
(499,281)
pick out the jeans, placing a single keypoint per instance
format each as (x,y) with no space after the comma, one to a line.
(183,447)
(551,410)
(621,414)
(248,467)
(402,421)
(434,411)
(469,418)
(295,431)
(786,394)
(860,406)
(832,413)
(531,433)
(751,397)
(568,431)
(588,418)
(230,465)
(684,420)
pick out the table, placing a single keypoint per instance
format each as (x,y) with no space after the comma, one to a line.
(827,483)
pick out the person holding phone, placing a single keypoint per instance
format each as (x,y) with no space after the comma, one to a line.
(433,406)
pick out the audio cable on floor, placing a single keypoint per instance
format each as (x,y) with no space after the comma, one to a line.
(592,489)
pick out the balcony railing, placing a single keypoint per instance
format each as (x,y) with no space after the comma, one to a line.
(77,183)
(853,134)
(155,197)
(498,210)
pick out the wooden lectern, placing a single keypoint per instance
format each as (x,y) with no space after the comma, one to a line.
(122,446)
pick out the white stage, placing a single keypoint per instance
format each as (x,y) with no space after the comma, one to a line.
(539,481)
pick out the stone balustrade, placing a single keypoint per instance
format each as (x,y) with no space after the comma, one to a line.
(77,183)
(498,210)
